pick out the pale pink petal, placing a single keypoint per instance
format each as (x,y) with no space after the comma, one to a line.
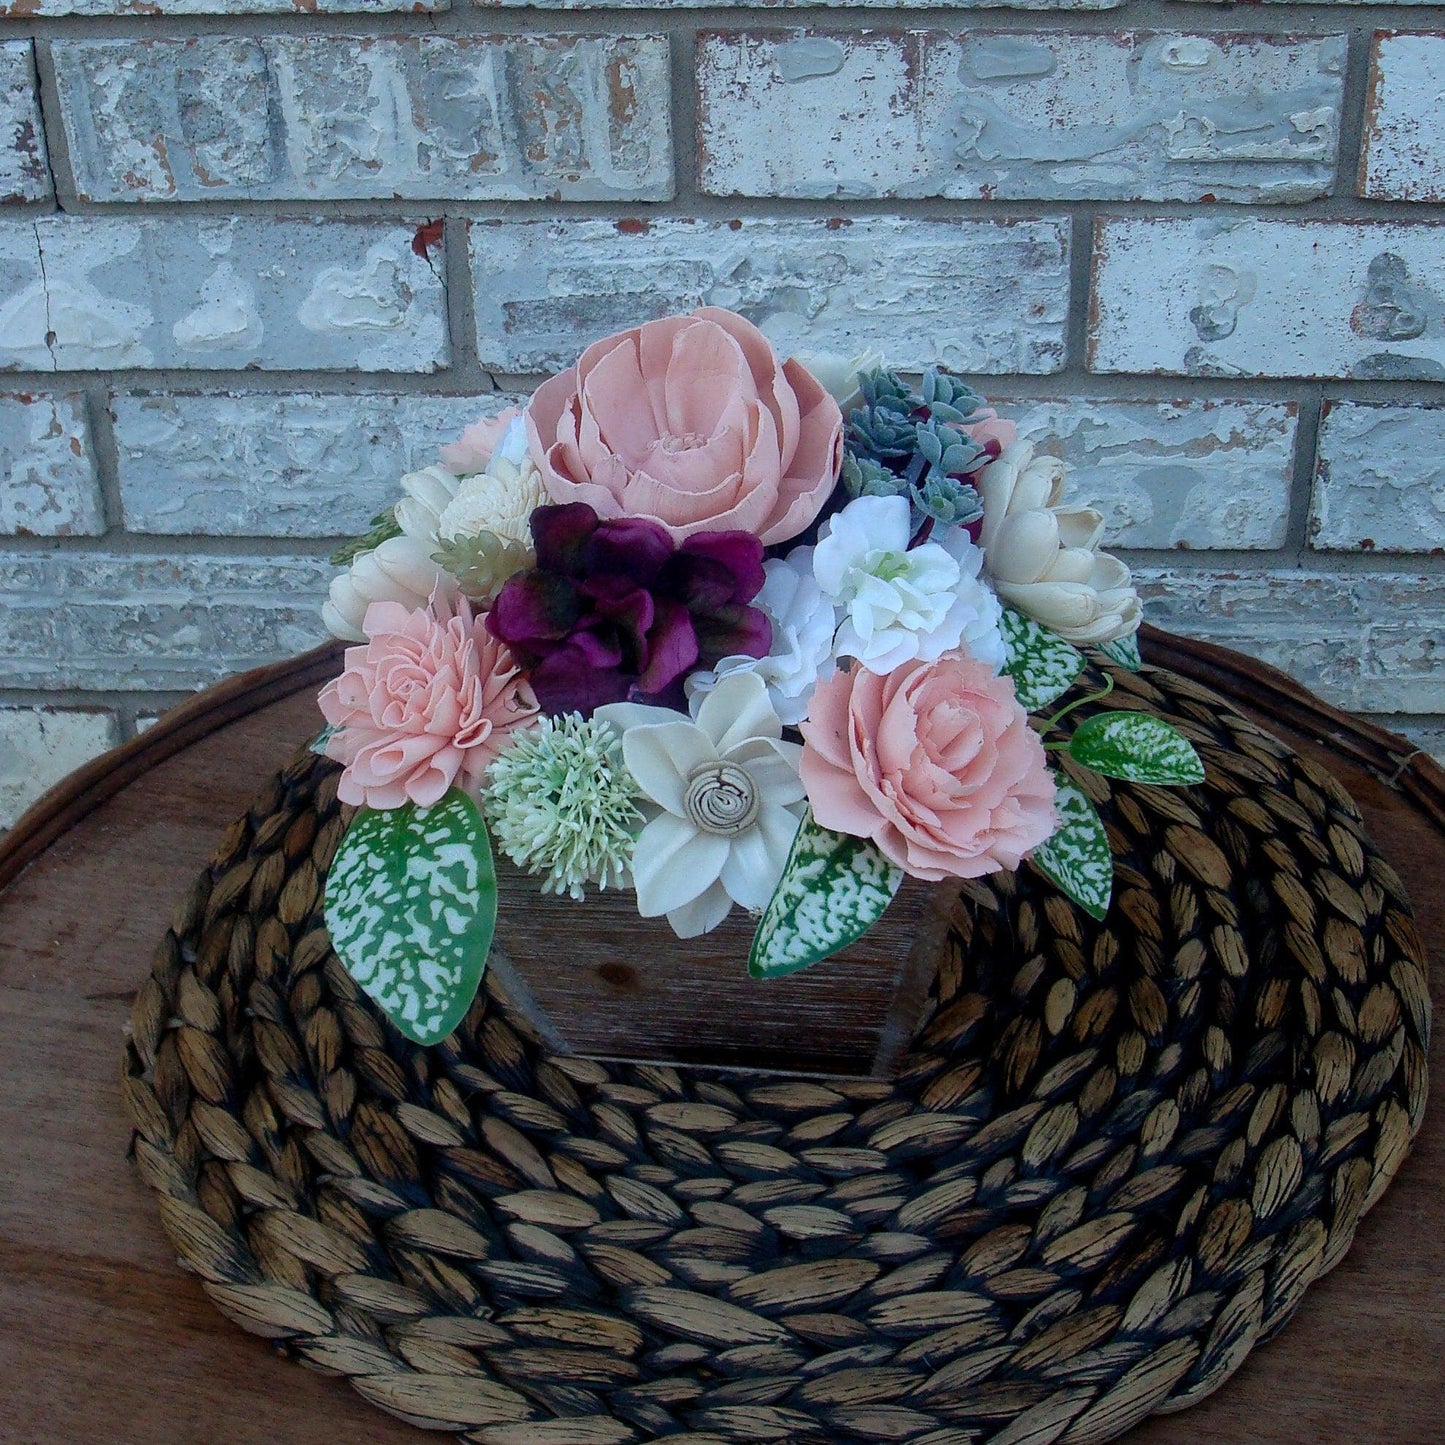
(704,374)
(614,398)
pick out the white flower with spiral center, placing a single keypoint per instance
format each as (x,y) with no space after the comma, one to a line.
(725,802)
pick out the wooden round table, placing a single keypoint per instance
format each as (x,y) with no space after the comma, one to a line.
(104,1340)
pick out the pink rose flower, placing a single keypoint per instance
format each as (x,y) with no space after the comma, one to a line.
(935,762)
(429,701)
(694,423)
(470,454)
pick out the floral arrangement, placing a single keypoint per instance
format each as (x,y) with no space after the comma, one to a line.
(728,631)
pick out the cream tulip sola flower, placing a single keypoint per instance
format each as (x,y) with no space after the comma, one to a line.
(1043,556)
(725,799)
(839,373)
(901,605)
(428,493)
(401,570)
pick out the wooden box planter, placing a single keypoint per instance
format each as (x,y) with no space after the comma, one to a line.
(599,980)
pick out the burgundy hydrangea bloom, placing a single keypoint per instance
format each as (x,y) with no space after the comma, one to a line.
(614,611)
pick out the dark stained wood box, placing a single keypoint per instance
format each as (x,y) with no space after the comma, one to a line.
(600,980)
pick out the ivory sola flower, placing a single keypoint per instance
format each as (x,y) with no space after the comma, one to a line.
(726,799)
(1043,555)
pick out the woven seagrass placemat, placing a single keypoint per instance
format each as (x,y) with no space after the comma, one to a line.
(1115,1158)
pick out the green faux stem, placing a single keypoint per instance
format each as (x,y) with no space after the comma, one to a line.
(1063,712)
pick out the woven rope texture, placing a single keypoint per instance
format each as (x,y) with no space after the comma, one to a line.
(1115,1158)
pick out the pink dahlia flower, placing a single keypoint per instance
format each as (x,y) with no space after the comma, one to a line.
(694,423)
(935,762)
(429,701)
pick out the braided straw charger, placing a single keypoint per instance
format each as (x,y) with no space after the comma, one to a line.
(1114,1159)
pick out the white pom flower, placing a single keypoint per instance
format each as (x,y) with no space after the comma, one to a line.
(500,500)
(803,623)
(900,605)
(401,570)
(726,801)
(1043,556)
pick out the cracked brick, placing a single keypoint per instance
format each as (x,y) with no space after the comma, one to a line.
(98,294)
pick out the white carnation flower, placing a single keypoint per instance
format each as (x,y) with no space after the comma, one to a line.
(900,605)
(803,623)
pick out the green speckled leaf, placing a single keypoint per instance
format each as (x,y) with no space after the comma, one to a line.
(833,890)
(1077,859)
(1136,747)
(1124,651)
(1042,665)
(411,902)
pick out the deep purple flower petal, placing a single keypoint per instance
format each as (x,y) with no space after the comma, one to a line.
(632,547)
(560,535)
(699,583)
(732,631)
(595,648)
(565,683)
(671,648)
(739,553)
(534,607)
(626,610)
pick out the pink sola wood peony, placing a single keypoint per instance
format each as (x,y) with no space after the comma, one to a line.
(694,422)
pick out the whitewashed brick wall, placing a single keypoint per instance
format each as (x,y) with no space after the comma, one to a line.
(258,257)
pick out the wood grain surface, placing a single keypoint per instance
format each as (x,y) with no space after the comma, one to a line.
(101,1339)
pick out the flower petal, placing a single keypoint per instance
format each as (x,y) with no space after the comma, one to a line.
(757,858)
(738,709)
(674,863)
(703,914)
(662,756)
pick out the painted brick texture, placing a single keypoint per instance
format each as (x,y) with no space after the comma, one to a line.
(49,482)
(40,745)
(266,465)
(1380,479)
(110,9)
(258,258)
(973,295)
(338,118)
(152,622)
(1020,117)
(97,294)
(1404,157)
(1218,296)
(24,171)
